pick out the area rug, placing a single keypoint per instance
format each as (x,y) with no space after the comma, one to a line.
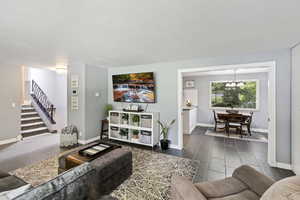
(255,137)
(151,178)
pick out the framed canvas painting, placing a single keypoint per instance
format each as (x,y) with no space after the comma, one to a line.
(189,84)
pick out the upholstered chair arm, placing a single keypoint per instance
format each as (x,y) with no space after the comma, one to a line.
(183,189)
(255,180)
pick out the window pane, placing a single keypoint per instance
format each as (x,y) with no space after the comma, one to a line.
(230,95)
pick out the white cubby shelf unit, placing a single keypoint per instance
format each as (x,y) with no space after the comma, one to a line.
(134,127)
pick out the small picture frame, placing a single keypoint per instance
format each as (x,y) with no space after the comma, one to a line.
(190,84)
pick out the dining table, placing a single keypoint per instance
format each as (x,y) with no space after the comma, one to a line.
(232,118)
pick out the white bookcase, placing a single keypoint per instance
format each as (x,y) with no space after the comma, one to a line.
(123,127)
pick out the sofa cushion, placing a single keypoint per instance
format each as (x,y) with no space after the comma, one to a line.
(11,194)
(244,195)
(256,181)
(221,188)
(3,174)
(286,189)
(74,184)
(10,183)
(183,188)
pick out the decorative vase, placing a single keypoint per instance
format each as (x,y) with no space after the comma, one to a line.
(164,144)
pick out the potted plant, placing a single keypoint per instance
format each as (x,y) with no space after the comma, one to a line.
(164,142)
(108,107)
(125,118)
(124,134)
(135,136)
(136,120)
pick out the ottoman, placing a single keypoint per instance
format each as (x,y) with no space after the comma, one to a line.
(111,168)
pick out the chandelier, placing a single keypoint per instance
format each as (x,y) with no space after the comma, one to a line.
(234,83)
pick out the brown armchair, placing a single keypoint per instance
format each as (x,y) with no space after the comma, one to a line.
(245,184)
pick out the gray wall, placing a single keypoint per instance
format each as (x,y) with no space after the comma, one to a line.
(10,92)
(92,80)
(96,82)
(205,115)
(166,80)
(77,117)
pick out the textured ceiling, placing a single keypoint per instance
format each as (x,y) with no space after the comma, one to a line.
(131,32)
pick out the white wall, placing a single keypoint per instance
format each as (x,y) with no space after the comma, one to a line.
(60,101)
(46,79)
(166,81)
(205,115)
(10,92)
(55,87)
(296,109)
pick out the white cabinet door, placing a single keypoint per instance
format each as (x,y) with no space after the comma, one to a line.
(296,109)
(186,121)
(193,119)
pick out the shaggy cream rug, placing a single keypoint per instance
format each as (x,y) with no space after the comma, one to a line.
(150,180)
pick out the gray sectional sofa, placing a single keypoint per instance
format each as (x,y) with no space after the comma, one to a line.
(89,181)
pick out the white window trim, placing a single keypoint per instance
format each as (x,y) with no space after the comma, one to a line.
(241,109)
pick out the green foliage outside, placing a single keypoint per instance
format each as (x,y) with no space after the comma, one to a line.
(234,97)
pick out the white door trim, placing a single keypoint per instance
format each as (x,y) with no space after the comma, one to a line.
(272,100)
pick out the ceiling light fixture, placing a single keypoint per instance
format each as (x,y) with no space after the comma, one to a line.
(234,83)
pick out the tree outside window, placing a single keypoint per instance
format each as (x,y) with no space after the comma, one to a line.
(241,96)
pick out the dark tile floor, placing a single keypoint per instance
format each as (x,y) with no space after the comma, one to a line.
(216,157)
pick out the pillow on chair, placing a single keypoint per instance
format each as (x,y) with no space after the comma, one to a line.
(286,189)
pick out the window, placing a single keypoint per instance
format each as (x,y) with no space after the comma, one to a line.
(241,95)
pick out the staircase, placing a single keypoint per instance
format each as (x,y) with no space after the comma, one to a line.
(31,123)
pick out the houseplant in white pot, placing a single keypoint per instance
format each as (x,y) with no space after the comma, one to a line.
(135,120)
(164,130)
(135,136)
(125,117)
(124,134)
(108,107)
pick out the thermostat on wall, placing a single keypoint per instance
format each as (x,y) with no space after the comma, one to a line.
(74,92)
(74,81)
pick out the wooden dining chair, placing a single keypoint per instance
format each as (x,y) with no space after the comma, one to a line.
(236,121)
(248,122)
(218,121)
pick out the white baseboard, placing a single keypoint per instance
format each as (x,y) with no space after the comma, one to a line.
(259,130)
(11,140)
(172,146)
(284,166)
(89,140)
(206,125)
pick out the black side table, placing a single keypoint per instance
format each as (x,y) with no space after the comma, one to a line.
(104,128)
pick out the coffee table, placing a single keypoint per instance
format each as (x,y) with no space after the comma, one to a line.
(77,158)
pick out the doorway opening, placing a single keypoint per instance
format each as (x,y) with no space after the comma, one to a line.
(44,100)
(256,86)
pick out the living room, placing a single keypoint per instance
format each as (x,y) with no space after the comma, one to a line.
(125,64)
